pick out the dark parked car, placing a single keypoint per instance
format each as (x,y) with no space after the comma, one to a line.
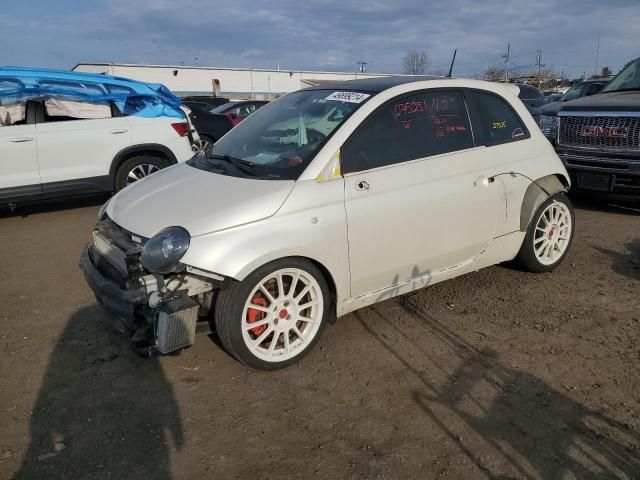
(598,137)
(578,90)
(209,100)
(532,99)
(213,123)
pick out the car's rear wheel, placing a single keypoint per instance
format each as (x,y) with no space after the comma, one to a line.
(137,168)
(549,235)
(275,316)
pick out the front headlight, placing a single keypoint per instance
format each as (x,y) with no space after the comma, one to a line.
(548,125)
(162,252)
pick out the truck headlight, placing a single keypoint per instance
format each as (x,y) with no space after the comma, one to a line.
(162,252)
(548,125)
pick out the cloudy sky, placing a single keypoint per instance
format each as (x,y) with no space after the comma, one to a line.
(320,34)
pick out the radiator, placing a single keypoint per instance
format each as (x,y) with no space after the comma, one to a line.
(176,325)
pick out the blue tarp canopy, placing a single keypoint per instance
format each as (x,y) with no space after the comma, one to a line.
(130,96)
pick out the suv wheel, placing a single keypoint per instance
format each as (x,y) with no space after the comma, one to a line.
(206,143)
(136,168)
(549,235)
(275,316)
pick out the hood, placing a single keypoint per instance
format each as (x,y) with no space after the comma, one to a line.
(199,201)
(607,101)
(551,108)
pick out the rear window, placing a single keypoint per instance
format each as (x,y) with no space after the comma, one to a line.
(12,113)
(499,123)
(528,93)
(57,110)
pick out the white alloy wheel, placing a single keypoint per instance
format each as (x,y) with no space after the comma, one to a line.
(552,233)
(282,314)
(141,171)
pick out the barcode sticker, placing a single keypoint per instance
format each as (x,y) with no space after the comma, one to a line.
(351,97)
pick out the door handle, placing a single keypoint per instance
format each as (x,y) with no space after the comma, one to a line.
(362,185)
(120,130)
(20,139)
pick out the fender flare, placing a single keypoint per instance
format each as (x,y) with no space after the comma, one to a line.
(537,192)
(141,148)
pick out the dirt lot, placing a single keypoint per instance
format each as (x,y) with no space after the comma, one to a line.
(498,374)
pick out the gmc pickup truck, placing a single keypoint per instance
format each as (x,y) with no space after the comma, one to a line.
(598,137)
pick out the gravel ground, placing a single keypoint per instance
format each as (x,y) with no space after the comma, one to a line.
(497,374)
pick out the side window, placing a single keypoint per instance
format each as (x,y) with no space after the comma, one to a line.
(246,110)
(61,110)
(12,113)
(499,123)
(407,128)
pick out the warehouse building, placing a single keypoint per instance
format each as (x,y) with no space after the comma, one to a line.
(227,82)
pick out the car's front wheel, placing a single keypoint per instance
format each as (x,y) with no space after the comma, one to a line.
(549,235)
(275,316)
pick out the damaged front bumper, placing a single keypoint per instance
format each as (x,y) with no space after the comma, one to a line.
(158,312)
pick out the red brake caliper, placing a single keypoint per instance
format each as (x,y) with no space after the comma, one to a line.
(254,315)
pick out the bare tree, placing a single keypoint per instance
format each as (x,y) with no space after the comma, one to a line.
(605,72)
(627,64)
(494,74)
(415,62)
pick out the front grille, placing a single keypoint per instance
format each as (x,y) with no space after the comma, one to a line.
(571,132)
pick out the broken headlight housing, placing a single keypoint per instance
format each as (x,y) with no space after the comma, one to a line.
(102,213)
(162,252)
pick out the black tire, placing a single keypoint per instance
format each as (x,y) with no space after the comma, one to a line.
(205,139)
(229,309)
(130,164)
(526,256)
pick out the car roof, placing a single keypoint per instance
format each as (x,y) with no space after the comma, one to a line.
(374,84)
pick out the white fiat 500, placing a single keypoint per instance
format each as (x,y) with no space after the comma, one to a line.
(325,201)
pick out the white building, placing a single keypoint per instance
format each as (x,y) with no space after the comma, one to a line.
(227,82)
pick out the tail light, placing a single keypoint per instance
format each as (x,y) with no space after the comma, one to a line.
(181,128)
(234,119)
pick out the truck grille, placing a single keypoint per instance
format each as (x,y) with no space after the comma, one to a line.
(626,128)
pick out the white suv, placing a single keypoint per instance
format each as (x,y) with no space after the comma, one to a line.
(325,201)
(56,147)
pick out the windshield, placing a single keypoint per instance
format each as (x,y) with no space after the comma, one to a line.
(628,79)
(280,139)
(574,92)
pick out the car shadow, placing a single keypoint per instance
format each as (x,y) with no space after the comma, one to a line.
(627,263)
(45,206)
(506,422)
(596,203)
(102,412)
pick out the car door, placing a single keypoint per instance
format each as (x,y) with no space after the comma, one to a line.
(77,141)
(18,152)
(418,194)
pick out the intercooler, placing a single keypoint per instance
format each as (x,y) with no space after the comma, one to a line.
(176,325)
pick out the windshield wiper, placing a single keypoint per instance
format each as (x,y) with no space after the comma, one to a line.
(244,165)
